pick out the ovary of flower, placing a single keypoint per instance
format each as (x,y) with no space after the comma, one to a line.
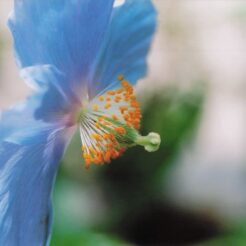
(110,123)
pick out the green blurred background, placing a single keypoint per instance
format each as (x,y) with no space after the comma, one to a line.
(190,192)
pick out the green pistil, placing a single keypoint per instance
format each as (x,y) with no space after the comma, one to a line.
(151,142)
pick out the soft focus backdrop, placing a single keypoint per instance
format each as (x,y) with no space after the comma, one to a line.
(193,190)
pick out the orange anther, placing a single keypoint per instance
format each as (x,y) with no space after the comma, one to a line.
(101,98)
(120,90)
(101,118)
(97,137)
(131,114)
(125,83)
(107,123)
(120,130)
(108,99)
(112,137)
(106,136)
(107,106)
(115,154)
(112,92)
(118,98)
(129,124)
(107,156)
(98,159)
(87,163)
(134,104)
(109,146)
(126,117)
(86,156)
(130,90)
(123,109)
(114,117)
(92,150)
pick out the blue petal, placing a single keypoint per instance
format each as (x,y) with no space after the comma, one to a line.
(30,151)
(63,33)
(19,120)
(58,100)
(44,109)
(126,45)
(27,174)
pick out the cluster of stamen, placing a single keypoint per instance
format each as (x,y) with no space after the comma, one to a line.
(109,124)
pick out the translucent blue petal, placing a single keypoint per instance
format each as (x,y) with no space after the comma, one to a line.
(58,99)
(63,33)
(126,45)
(20,119)
(44,109)
(27,174)
(31,146)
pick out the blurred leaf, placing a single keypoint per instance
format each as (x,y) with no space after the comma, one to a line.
(85,239)
(236,236)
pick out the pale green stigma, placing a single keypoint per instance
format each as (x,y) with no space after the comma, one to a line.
(151,142)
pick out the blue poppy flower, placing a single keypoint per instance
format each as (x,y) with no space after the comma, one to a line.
(81,57)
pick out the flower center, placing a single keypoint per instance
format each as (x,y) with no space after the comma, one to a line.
(109,124)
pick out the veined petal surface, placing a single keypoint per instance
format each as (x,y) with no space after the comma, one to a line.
(126,44)
(66,34)
(31,147)
(27,173)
